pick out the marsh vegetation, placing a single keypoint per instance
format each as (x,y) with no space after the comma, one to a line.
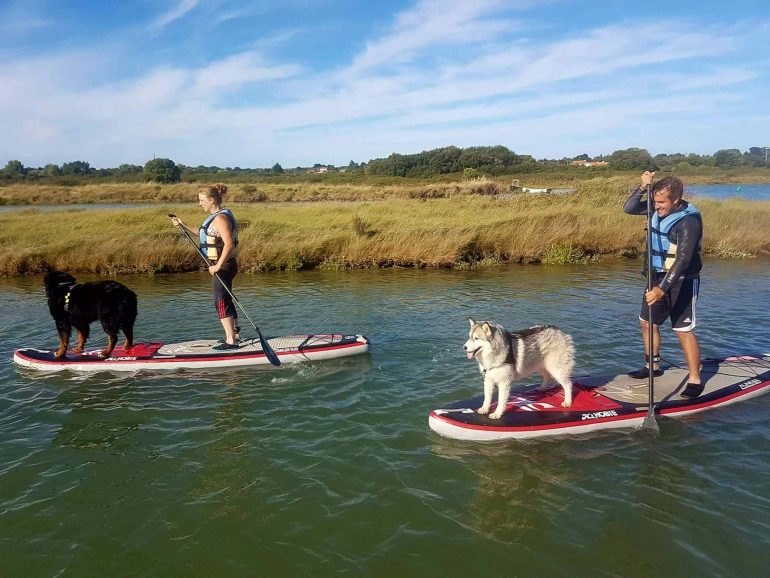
(451,225)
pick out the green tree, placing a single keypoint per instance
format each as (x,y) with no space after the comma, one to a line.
(631,159)
(51,170)
(14,169)
(757,156)
(696,160)
(277,169)
(128,169)
(76,168)
(728,158)
(162,171)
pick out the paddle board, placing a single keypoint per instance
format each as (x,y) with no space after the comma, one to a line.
(603,402)
(199,354)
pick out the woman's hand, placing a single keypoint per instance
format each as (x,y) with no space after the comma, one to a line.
(214,269)
(177,221)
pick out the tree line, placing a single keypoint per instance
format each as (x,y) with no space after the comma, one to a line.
(493,161)
(499,160)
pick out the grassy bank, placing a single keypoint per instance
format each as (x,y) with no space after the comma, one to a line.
(461,232)
(30,194)
(336,188)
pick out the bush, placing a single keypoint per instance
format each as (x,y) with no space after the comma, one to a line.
(162,171)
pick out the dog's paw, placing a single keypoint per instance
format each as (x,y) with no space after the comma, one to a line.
(565,404)
(496,415)
(59,354)
(105,353)
(77,349)
(482,410)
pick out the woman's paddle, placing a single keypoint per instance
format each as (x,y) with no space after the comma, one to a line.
(649,421)
(269,353)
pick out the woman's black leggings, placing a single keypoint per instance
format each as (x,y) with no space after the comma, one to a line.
(222,300)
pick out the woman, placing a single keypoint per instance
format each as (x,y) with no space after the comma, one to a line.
(219,244)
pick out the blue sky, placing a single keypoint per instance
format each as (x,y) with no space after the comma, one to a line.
(249,84)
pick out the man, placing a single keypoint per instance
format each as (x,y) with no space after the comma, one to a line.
(677,230)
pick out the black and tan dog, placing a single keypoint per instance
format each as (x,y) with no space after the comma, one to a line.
(77,305)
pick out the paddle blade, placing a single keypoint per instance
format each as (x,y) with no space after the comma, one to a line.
(269,353)
(650,423)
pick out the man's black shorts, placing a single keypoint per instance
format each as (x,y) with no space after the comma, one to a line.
(678,304)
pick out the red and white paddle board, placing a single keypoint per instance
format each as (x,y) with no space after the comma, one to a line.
(200,354)
(603,402)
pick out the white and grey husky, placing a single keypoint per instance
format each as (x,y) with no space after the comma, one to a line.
(505,356)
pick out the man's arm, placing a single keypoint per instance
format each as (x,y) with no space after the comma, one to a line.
(634,205)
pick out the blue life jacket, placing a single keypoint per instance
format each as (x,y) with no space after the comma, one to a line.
(663,250)
(211,247)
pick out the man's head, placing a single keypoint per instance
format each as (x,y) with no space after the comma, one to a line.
(667,195)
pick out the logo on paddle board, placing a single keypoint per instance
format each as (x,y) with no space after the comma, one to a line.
(749,383)
(598,414)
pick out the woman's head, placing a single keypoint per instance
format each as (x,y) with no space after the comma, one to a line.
(212,196)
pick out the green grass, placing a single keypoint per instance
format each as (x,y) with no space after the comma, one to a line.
(568,254)
(463,232)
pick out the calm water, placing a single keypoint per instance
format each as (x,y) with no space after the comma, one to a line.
(755,192)
(88,206)
(330,469)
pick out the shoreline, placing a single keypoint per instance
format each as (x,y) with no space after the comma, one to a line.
(87,192)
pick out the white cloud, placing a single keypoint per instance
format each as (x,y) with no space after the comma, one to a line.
(433,23)
(21,17)
(175,13)
(468,75)
(237,70)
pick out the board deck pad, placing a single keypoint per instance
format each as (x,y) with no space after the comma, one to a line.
(609,401)
(715,375)
(286,343)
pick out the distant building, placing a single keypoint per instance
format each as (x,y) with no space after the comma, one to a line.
(589,163)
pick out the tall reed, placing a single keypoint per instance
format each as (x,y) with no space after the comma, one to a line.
(458,232)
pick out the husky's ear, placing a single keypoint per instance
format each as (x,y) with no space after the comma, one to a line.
(487,329)
(472,322)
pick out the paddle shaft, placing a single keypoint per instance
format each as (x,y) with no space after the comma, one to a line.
(271,356)
(650,419)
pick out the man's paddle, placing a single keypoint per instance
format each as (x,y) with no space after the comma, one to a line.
(649,421)
(269,353)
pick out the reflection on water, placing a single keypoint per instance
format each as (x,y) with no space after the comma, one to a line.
(330,467)
(98,418)
(79,207)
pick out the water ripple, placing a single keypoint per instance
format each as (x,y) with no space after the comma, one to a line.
(329,468)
